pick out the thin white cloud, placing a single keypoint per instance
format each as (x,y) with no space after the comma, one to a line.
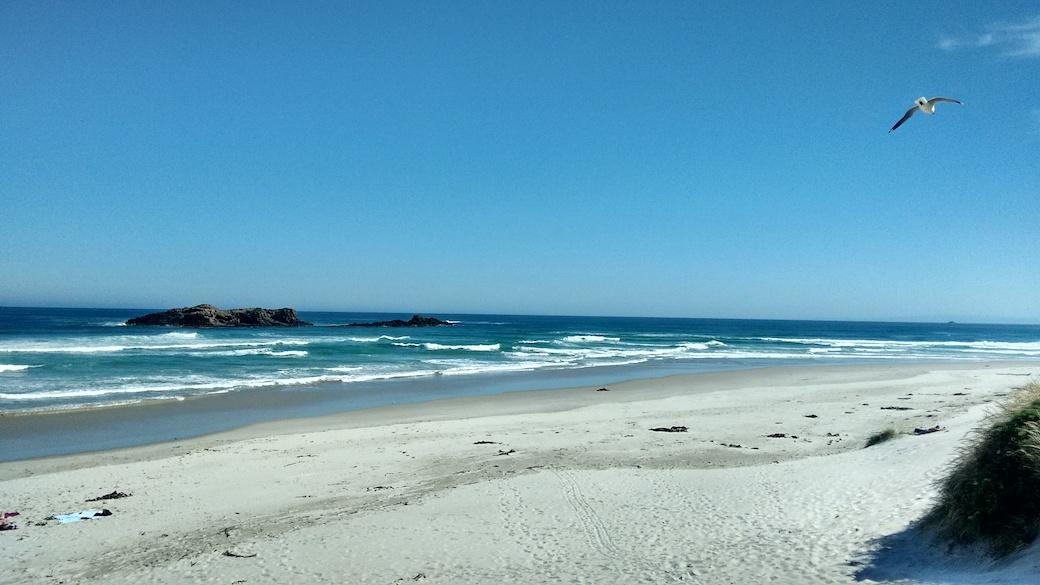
(1015,39)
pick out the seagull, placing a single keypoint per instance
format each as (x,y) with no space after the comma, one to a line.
(923,105)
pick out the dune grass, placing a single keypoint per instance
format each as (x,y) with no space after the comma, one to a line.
(991,497)
(881,437)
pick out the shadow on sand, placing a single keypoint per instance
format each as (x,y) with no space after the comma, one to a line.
(913,556)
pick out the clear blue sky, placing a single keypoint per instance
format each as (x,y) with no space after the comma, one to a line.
(710,159)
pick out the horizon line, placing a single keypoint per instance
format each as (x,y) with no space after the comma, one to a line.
(450,313)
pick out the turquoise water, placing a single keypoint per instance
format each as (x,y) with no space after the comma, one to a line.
(61,358)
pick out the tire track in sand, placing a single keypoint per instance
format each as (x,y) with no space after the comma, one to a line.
(591,524)
(598,535)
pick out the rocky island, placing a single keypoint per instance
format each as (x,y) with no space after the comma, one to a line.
(210,316)
(415,321)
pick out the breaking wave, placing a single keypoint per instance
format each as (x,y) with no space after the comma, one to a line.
(1006,347)
(441,347)
(377,339)
(588,339)
(166,341)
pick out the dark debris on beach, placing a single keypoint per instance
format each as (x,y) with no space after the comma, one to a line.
(113,495)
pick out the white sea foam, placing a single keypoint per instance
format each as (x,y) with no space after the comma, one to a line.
(615,363)
(632,353)
(236,352)
(470,367)
(442,347)
(167,341)
(197,384)
(600,353)
(14,367)
(485,347)
(209,387)
(880,343)
(588,338)
(170,335)
(376,339)
(528,358)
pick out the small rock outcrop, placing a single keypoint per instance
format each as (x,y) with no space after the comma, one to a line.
(210,316)
(415,321)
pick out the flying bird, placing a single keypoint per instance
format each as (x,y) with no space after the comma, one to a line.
(923,105)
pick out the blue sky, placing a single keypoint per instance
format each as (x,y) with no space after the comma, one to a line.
(673,159)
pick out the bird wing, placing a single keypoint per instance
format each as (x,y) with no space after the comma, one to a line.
(905,117)
(936,100)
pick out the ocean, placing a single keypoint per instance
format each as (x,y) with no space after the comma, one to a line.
(69,358)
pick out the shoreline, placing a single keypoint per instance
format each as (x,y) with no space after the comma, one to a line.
(142,424)
(435,409)
(566,485)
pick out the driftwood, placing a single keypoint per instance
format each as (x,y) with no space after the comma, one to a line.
(228,553)
(675,429)
(896,408)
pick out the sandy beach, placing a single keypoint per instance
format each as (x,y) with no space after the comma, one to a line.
(567,486)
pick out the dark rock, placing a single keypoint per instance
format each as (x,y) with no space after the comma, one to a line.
(896,408)
(777,436)
(415,321)
(210,316)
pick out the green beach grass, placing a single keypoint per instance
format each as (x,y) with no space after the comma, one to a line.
(991,497)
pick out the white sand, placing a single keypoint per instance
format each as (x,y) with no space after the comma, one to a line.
(590,495)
